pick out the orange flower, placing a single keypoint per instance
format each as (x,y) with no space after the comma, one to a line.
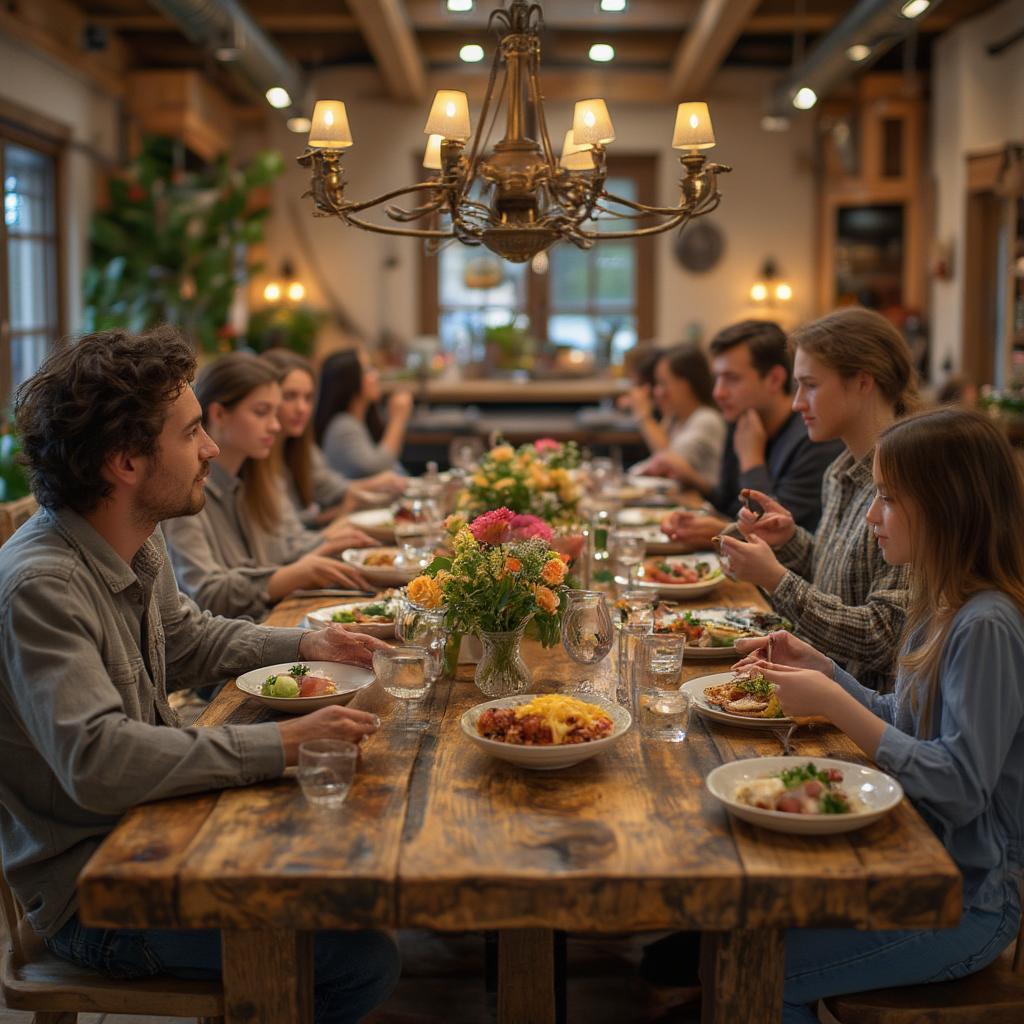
(546,600)
(513,565)
(425,592)
(553,571)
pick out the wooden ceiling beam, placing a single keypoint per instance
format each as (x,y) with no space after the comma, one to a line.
(278,24)
(713,34)
(565,85)
(389,35)
(670,15)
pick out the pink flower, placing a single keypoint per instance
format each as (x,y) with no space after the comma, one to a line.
(546,444)
(525,527)
(493,527)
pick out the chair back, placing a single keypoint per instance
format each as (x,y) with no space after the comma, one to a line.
(11,915)
(13,514)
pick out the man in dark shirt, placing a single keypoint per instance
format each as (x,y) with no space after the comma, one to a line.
(767,448)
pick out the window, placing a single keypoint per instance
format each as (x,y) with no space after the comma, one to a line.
(598,300)
(30,318)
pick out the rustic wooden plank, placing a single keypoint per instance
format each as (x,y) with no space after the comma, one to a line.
(526,976)
(268,977)
(741,976)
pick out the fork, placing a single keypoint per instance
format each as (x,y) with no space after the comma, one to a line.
(784,736)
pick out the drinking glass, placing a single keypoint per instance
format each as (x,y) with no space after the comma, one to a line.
(587,631)
(663,708)
(406,673)
(628,549)
(465,452)
(418,524)
(417,626)
(326,771)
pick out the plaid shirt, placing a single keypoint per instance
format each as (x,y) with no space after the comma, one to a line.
(841,594)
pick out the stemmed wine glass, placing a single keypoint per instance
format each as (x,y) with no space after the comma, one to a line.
(417,527)
(587,632)
(628,550)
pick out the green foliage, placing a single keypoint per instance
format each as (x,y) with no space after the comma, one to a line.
(13,479)
(172,246)
(284,326)
(514,346)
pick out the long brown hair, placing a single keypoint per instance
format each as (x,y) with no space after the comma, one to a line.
(958,478)
(227,381)
(687,362)
(295,454)
(854,340)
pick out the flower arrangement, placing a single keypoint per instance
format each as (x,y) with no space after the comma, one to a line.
(501,575)
(533,479)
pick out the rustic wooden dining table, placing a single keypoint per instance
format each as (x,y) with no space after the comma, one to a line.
(436,834)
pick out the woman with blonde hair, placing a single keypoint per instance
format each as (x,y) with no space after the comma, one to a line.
(854,378)
(317,493)
(246,550)
(948,501)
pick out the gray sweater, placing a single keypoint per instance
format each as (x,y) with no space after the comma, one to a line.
(350,449)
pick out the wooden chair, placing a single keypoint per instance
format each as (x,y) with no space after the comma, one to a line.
(56,992)
(994,995)
(13,514)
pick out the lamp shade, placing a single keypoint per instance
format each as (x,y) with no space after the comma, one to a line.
(330,126)
(449,115)
(693,127)
(432,154)
(591,123)
(576,158)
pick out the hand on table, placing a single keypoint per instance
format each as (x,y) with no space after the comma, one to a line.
(775,527)
(318,570)
(330,723)
(693,529)
(335,643)
(752,561)
(340,535)
(669,464)
(787,652)
(803,692)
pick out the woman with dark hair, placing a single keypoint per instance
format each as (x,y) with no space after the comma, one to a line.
(246,550)
(317,493)
(348,425)
(687,442)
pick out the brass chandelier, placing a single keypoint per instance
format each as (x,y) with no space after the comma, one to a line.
(517,199)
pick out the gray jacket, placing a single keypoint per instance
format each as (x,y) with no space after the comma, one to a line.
(89,648)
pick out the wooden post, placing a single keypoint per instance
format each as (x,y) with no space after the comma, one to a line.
(741,976)
(526,976)
(268,977)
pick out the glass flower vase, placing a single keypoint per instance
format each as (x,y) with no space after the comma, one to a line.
(501,672)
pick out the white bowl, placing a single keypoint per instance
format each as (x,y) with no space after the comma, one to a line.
(878,792)
(320,618)
(546,758)
(349,680)
(379,523)
(686,591)
(380,575)
(695,688)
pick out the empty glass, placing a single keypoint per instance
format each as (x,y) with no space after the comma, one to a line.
(326,771)
(423,627)
(465,452)
(418,529)
(407,674)
(587,631)
(663,709)
(628,549)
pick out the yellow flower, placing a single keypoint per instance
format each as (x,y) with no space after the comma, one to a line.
(504,483)
(480,480)
(553,571)
(503,453)
(464,542)
(442,577)
(425,592)
(546,600)
(560,476)
(454,523)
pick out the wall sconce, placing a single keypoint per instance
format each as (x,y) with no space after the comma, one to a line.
(288,287)
(769,288)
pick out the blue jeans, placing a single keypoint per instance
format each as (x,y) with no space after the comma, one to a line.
(353,971)
(832,962)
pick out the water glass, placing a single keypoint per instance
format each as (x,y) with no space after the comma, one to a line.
(404,672)
(417,626)
(587,630)
(326,771)
(663,708)
(628,549)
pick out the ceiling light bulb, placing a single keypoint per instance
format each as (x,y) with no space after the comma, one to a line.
(471,53)
(299,125)
(272,293)
(278,97)
(602,52)
(783,292)
(296,291)
(915,8)
(613,5)
(805,98)
(858,52)
(460,5)
(759,292)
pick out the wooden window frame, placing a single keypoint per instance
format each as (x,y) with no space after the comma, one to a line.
(643,169)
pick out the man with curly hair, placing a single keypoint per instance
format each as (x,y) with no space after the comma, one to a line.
(93,636)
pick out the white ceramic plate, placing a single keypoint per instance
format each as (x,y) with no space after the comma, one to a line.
(546,758)
(685,591)
(638,516)
(379,575)
(695,653)
(322,617)
(349,680)
(379,523)
(878,792)
(658,543)
(657,484)
(695,688)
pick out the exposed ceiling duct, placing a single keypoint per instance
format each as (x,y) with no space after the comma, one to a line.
(870,30)
(226,29)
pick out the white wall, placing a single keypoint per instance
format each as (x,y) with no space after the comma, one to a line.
(47,88)
(978,105)
(768,208)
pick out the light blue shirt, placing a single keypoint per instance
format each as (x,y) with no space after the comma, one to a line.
(967,781)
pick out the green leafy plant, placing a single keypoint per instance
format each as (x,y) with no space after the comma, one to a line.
(13,479)
(513,346)
(293,327)
(172,245)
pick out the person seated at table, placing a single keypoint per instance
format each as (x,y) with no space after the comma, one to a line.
(854,377)
(246,549)
(767,447)
(687,442)
(94,634)
(948,503)
(356,441)
(639,364)
(317,493)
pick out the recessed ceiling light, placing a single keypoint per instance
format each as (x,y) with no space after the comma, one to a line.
(471,53)
(602,52)
(460,5)
(915,8)
(858,52)
(613,5)
(299,125)
(805,98)
(278,97)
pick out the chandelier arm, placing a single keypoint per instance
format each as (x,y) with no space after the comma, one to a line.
(660,211)
(383,229)
(533,77)
(488,97)
(397,213)
(683,218)
(422,186)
